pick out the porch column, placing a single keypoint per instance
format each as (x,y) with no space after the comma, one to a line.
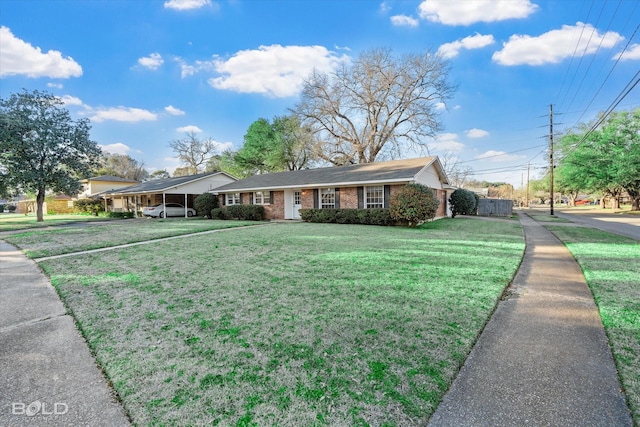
(135,206)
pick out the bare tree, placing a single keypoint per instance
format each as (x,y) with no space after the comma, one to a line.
(457,173)
(193,152)
(379,105)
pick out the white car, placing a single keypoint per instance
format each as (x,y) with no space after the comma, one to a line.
(172,209)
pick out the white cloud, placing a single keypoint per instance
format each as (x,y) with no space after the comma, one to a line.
(441,106)
(404,21)
(446,143)
(630,54)
(71,100)
(122,114)
(276,71)
(477,133)
(152,62)
(554,46)
(117,148)
(384,7)
(21,58)
(450,50)
(500,156)
(189,129)
(55,85)
(187,4)
(469,12)
(174,111)
(191,69)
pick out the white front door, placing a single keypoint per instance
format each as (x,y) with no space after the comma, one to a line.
(297,204)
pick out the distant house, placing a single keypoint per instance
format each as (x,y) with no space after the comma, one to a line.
(96,188)
(180,189)
(362,186)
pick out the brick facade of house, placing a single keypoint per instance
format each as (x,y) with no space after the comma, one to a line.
(348,200)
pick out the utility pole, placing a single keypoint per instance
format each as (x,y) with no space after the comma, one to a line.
(526,203)
(551,158)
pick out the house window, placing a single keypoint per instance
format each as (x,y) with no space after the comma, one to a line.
(233,199)
(327,198)
(261,197)
(374,197)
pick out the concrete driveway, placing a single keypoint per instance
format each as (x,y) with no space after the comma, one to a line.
(606,220)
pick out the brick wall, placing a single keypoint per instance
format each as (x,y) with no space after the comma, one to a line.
(349,198)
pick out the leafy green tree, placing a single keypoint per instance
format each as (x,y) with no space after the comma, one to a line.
(293,144)
(607,159)
(258,142)
(123,166)
(380,105)
(414,203)
(41,148)
(159,174)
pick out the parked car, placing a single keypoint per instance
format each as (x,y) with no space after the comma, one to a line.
(172,209)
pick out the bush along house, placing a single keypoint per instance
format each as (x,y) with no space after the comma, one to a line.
(360,186)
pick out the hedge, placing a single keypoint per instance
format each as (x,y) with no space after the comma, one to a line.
(373,216)
(241,212)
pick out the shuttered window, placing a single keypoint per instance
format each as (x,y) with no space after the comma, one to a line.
(374,197)
(261,197)
(233,199)
(327,198)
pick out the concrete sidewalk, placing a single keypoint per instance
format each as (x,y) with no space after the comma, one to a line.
(543,359)
(47,374)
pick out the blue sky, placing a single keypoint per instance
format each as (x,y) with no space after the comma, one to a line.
(147,71)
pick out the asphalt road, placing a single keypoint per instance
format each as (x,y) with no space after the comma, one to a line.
(624,225)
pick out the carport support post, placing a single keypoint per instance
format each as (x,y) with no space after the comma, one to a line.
(164,205)
(185,205)
(135,206)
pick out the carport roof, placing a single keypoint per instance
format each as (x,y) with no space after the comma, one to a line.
(162,185)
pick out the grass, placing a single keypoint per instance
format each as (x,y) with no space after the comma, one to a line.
(290,324)
(62,240)
(541,217)
(11,222)
(611,266)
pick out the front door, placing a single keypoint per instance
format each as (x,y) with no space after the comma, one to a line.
(297,204)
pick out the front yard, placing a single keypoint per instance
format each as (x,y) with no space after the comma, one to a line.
(289,324)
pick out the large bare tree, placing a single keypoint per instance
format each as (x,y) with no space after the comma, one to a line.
(194,153)
(380,105)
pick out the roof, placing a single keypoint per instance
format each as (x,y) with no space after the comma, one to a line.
(160,185)
(109,178)
(366,173)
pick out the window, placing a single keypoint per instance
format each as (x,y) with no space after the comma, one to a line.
(297,198)
(261,197)
(327,198)
(233,199)
(374,197)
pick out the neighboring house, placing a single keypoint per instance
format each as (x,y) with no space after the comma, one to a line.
(97,186)
(368,185)
(180,189)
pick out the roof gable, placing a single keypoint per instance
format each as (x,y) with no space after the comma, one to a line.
(379,172)
(159,185)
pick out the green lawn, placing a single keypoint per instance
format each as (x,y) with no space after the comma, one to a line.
(290,324)
(611,266)
(10,222)
(545,217)
(62,240)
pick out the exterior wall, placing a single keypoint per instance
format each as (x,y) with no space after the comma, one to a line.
(93,187)
(203,185)
(348,198)
(276,209)
(442,208)
(430,178)
(307,198)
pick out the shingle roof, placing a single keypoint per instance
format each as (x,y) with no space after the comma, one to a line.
(158,185)
(109,178)
(380,172)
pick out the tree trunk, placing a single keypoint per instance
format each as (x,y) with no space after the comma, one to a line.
(39,205)
(635,203)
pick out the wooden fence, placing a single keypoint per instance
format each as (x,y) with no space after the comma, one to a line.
(495,207)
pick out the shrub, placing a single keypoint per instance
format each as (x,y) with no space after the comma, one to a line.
(122,215)
(475,209)
(1,208)
(219,213)
(347,216)
(414,203)
(205,203)
(463,202)
(91,206)
(241,212)
(10,208)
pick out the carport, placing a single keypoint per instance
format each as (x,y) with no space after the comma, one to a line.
(180,189)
